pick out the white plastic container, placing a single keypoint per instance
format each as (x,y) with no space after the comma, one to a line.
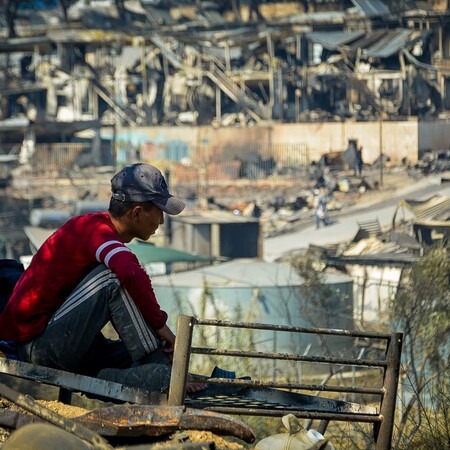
(297,438)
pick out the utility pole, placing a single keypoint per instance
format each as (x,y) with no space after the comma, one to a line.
(381,148)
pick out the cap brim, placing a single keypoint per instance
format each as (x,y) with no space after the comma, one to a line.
(171,205)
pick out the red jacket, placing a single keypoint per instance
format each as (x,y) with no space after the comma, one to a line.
(59,265)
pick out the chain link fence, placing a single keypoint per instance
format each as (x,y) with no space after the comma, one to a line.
(197,165)
(220,164)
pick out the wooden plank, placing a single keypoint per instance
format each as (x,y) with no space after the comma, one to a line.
(80,383)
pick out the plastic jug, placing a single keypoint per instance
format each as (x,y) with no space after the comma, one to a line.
(297,438)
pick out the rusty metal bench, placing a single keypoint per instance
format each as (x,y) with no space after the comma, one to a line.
(264,396)
(139,414)
(268,397)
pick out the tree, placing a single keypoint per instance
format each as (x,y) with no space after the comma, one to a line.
(421,309)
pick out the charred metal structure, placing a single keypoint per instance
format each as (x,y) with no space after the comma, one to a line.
(73,66)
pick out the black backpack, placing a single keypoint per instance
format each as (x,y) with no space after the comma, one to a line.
(10,272)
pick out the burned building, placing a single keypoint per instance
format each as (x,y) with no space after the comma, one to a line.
(73,74)
(199,63)
(83,82)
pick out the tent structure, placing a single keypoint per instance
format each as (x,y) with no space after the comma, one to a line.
(249,289)
(148,253)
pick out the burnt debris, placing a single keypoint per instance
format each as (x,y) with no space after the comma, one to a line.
(219,63)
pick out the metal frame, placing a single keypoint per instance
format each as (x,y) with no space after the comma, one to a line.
(314,406)
(383,419)
(68,382)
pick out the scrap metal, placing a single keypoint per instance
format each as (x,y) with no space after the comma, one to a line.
(138,420)
(80,431)
(260,399)
(132,421)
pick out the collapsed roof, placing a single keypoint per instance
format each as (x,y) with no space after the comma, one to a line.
(205,64)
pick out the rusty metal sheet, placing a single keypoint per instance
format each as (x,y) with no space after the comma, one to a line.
(133,420)
(15,420)
(25,401)
(138,420)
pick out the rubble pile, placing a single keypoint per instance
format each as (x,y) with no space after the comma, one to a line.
(284,205)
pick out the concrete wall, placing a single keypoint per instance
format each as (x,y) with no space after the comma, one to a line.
(231,137)
(395,139)
(434,135)
(373,289)
(398,140)
(155,143)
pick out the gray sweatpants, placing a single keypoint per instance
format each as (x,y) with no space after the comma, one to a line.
(73,340)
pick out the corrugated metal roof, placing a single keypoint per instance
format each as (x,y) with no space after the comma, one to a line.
(434,208)
(324,17)
(370,38)
(391,43)
(377,43)
(380,259)
(213,217)
(334,39)
(372,8)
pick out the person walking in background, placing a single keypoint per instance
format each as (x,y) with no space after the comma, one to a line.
(320,207)
(358,161)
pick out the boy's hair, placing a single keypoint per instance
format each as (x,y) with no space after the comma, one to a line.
(118,208)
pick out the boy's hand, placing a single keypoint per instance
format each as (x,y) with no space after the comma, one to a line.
(168,349)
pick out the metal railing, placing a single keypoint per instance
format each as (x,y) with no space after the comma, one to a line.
(382,416)
(215,163)
(54,158)
(210,163)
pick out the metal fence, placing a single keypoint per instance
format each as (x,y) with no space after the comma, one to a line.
(208,164)
(57,158)
(215,164)
(268,397)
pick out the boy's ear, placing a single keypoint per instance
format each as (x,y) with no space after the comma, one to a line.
(137,210)
(133,213)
